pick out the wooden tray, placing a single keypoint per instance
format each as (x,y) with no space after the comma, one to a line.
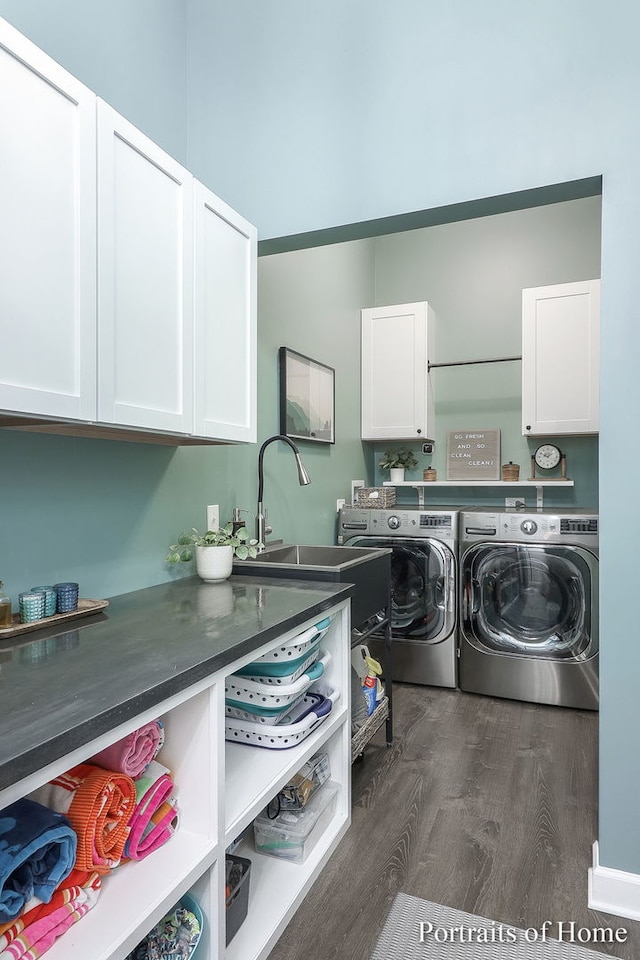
(85,608)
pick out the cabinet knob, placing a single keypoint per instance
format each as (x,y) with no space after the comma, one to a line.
(418,430)
(528,426)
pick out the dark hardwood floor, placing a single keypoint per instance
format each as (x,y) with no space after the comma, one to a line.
(484,805)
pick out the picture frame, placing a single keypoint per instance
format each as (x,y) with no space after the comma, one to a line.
(307,398)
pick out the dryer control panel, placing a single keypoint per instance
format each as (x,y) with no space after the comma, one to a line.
(521,526)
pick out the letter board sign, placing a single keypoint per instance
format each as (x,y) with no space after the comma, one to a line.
(473,455)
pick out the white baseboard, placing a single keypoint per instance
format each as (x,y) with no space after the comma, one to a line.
(613,891)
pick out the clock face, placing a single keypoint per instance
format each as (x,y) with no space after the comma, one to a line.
(547,456)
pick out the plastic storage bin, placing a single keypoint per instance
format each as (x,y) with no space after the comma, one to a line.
(272,693)
(237,900)
(294,833)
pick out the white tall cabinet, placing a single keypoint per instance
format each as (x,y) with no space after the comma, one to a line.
(560,359)
(47,235)
(397,394)
(145,289)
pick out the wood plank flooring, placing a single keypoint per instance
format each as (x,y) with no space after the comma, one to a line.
(481,804)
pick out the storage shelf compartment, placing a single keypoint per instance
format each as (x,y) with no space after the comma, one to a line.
(134,897)
(277,889)
(253,775)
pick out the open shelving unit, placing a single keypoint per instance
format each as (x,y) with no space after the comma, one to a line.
(421,486)
(221,787)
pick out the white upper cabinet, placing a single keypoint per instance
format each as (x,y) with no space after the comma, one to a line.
(560,358)
(225,320)
(47,235)
(145,290)
(397,396)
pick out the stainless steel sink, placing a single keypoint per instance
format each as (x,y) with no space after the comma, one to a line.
(313,557)
(368,568)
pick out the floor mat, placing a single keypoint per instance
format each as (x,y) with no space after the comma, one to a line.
(419,930)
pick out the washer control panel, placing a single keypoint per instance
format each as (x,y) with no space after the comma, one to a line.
(441,524)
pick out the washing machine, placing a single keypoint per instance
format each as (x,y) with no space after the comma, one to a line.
(424,543)
(529,605)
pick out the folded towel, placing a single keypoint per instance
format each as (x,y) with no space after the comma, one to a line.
(36,930)
(155,817)
(37,852)
(99,804)
(133,753)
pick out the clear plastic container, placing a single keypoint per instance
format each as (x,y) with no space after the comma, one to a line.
(294,833)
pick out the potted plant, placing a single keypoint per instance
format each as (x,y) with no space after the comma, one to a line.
(214,551)
(396,462)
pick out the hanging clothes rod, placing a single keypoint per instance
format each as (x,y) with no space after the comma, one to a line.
(469,363)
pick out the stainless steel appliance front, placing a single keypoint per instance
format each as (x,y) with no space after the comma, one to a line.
(529,605)
(423,544)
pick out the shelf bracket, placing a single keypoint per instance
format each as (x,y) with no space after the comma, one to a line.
(420,492)
(539,497)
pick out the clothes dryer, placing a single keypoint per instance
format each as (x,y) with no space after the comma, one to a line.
(424,588)
(529,605)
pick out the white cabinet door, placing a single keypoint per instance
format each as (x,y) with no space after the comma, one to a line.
(225,321)
(397,396)
(47,235)
(145,289)
(560,358)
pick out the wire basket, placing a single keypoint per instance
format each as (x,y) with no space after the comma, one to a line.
(374,497)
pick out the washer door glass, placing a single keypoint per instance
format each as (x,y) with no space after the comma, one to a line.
(531,601)
(422,588)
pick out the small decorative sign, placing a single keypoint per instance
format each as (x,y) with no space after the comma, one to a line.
(473,455)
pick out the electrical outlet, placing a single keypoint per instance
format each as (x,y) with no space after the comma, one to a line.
(339,504)
(213,517)
(516,502)
(427,448)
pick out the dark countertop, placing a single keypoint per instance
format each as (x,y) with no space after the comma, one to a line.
(59,689)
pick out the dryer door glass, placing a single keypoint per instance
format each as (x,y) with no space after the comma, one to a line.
(530,601)
(422,587)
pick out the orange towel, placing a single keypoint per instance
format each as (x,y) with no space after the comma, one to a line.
(98,804)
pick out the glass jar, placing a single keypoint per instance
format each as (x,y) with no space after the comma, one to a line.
(6,620)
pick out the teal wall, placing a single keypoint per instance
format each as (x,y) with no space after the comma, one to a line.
(472,273)
(315,115)
(352,112)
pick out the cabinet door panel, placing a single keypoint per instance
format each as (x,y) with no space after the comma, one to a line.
(225,321)
(560,327)
(397,403)
(145,292)
(47,267)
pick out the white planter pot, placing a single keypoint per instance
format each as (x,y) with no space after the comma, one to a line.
(396,474)
(214,563)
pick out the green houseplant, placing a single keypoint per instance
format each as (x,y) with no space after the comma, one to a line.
(396,462)
(213,550)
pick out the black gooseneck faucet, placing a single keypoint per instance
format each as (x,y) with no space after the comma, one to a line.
(303,479)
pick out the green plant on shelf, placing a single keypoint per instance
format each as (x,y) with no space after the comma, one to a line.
(393,459)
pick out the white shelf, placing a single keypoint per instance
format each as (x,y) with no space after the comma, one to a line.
(422,485)
(134,897)
(277,887)
(253,775)
(480,483)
